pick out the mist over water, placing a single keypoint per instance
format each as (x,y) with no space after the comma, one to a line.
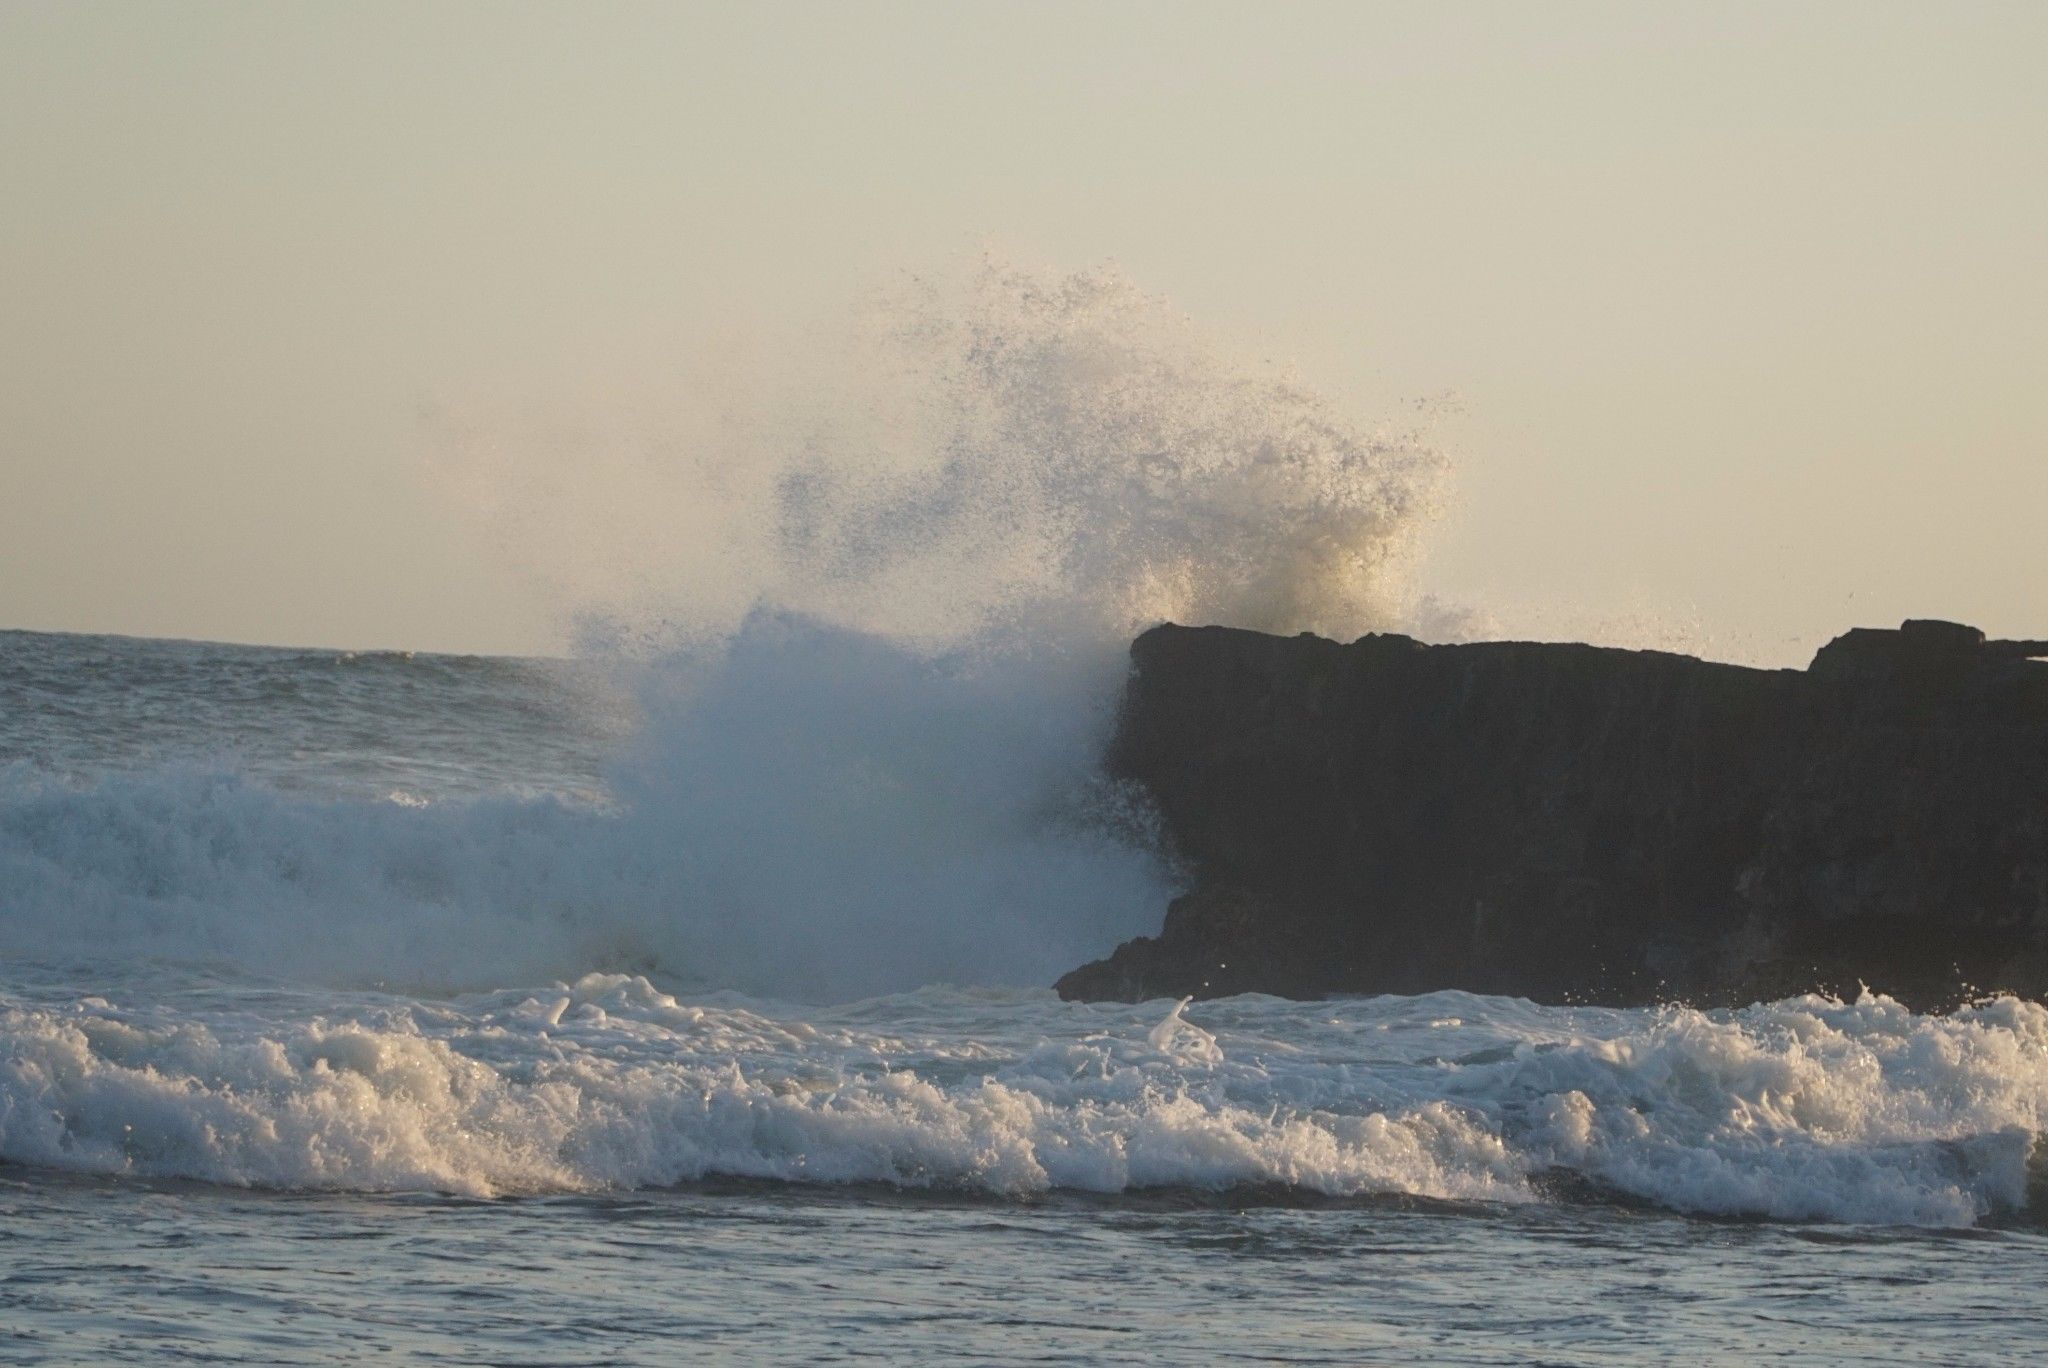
(878,660)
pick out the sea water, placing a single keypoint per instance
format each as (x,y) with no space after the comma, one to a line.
(690,998)
(325,1036)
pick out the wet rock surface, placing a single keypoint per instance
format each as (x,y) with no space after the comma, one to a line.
(1573,823)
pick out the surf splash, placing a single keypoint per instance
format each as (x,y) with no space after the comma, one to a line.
(873,670)
(978,455)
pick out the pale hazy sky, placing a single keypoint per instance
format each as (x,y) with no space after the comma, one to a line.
(1745,305)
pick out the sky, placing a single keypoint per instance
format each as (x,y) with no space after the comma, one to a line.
(1741,310)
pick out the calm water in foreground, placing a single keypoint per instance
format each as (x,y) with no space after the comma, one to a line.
(110,1271)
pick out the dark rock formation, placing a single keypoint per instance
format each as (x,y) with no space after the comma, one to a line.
(1577,824)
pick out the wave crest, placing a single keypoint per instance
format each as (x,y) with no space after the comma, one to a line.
(1805,1109)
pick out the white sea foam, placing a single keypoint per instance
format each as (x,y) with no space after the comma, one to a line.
(1806,1108)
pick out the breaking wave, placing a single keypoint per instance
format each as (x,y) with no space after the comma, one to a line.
(874,632)
(1808,1109)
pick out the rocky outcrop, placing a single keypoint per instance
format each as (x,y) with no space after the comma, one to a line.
(1578,824)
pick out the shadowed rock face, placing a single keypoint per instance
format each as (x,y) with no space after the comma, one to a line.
(1574,823)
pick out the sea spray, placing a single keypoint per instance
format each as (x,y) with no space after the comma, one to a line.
(884,773)
(870,720)
(976,456)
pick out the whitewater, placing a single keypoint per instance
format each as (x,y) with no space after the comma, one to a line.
(690,995)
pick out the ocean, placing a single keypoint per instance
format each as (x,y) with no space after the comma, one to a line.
(378,1007)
